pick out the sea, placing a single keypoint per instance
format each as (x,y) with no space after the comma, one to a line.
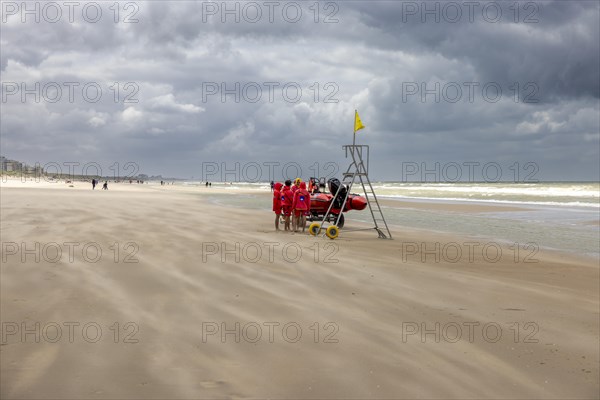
(553,215)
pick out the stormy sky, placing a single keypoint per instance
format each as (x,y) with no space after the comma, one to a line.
(240,90)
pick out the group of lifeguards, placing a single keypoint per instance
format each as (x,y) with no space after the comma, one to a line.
(291,200)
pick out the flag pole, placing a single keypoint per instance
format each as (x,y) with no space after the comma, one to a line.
(354,129)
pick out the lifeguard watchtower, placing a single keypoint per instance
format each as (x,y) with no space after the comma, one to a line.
(358,171)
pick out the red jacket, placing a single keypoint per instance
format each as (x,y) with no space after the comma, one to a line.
(307,201)
(287,197)
(277,198)
(300,198)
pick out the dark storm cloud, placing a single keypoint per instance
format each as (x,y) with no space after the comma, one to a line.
(161,78)
(558,49)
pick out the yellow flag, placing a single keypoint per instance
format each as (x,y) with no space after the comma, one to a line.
(357,122)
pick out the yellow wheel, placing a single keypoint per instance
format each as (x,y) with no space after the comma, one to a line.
(332,232)
(314,228)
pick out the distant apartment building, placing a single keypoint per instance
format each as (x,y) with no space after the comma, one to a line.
(10,165)
(7,165)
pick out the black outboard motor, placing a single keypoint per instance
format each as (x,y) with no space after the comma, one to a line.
(333,185)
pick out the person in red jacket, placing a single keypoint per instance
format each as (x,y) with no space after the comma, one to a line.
(311,185)
(299,206)
(287,198)
(294,188)
(306,212)
(277,203)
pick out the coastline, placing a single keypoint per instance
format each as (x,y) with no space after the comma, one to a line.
(364,306)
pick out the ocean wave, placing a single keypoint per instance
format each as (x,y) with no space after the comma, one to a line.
(471,200)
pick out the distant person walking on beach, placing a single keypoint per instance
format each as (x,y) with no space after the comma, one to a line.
(272,185)
(105,186)
(94,184)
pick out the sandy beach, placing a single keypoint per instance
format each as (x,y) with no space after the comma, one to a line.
(145,291)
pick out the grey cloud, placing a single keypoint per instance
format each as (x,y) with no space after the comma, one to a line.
(370,56)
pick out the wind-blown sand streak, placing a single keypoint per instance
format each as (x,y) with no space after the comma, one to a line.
(373,298)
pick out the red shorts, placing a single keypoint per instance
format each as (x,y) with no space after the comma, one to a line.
(297,213)
(286,210)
